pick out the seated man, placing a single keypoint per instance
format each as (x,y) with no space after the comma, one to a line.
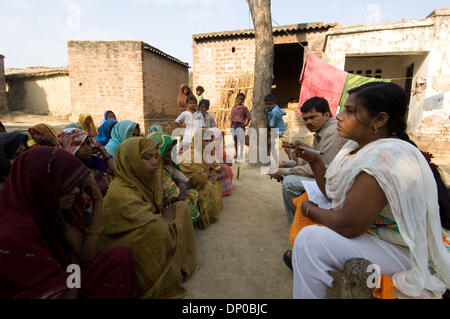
(317,118)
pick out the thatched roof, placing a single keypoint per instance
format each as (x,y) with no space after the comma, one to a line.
(35,71)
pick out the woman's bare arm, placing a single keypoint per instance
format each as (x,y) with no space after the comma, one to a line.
(362,204)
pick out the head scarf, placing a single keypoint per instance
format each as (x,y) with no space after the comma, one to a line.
(82,121)
(74,125)
(129,169)
(164,141)
(104,131)
(9,143)
(33,259)
(48,135)
(105,115)
(120,132)
(181,100)
(71,139)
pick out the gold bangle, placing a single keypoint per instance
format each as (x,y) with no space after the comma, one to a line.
(94,232)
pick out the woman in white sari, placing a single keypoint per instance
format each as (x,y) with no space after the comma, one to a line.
(384,199)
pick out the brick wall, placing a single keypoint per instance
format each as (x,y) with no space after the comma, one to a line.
(106,75)
(434,137)
(3,101)
(214,60)
(49,95)
(162,80)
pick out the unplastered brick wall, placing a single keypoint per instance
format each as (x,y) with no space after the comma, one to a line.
(434,137)
(107,75)
(162,80)
(3,100)
(214,60)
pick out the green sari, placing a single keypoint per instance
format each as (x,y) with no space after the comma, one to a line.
(164,252)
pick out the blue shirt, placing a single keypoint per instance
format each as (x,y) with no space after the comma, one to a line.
(275,118)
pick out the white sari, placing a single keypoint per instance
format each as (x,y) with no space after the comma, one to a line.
(408,183)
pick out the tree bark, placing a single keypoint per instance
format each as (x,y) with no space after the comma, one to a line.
(263,79)
(264,51)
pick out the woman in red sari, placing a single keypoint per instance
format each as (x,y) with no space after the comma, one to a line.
(44,228)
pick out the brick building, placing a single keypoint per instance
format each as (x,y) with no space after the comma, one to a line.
(218,55)
(39,90)
(135,80)
(415,55)
(3,101)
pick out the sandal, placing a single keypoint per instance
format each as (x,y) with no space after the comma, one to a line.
(287,258)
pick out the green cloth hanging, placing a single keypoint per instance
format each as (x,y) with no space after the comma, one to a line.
(353,81)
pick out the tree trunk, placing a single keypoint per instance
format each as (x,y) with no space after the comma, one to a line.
(264,51)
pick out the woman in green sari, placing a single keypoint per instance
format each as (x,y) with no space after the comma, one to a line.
(176,185)
(206,180)
(161,237)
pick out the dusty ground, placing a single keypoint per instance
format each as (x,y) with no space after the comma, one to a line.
(241,255)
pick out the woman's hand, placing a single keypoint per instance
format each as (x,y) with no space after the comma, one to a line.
(90,187)
(309,157)
(168,213)
(305,206)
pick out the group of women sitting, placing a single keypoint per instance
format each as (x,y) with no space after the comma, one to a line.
(108,200)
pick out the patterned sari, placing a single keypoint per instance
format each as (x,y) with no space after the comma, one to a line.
(42,135)
(172,184)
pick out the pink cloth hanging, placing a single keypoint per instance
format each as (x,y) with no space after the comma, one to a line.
(321,79)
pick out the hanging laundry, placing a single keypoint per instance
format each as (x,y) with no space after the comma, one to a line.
(353,81)
(321,79)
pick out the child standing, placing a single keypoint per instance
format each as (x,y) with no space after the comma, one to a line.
(185,91)
(209,120)
(275,120)
(199,90)
(240,118)
(275,116)
(191,120)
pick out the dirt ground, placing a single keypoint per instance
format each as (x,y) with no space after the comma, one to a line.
(240,256)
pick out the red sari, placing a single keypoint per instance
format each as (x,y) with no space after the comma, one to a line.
(33,251)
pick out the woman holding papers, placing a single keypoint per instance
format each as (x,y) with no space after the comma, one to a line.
(384,203)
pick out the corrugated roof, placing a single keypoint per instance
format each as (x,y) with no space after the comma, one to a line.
(35,71)
(161,53)
(301,27)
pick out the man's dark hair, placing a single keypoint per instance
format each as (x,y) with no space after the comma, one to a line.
(317,103)
(270,98)
(241,94)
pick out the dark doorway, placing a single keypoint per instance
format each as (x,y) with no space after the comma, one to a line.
(287,67)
